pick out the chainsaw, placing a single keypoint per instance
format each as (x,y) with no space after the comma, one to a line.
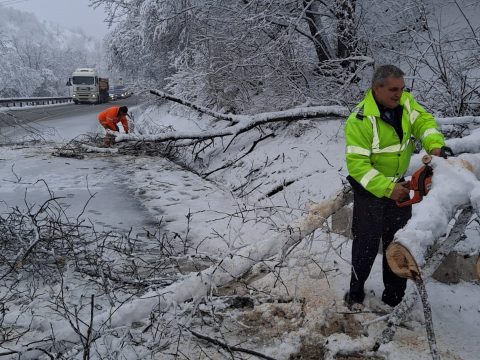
(420,183)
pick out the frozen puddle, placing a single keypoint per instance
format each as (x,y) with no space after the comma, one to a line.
(92,186)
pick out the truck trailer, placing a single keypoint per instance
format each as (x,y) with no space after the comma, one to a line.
(88,87)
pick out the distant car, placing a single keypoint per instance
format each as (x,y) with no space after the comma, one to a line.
(118,92)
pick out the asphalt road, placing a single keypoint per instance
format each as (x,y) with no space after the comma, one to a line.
(17,116)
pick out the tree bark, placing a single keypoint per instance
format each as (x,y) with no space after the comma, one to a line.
(347,41)
(478,267)
(313,20)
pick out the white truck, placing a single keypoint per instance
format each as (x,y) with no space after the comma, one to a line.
(88,87)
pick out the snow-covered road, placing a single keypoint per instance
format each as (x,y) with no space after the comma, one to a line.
(27,173)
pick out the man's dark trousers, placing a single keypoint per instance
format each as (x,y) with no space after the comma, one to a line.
(374,219)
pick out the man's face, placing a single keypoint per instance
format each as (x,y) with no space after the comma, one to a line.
(389,93)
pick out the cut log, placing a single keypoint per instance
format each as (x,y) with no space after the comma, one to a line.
(402,262)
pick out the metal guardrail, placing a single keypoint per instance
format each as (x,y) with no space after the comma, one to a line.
(20,102)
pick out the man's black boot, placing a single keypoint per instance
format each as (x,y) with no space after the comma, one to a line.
(351,303)
(391,300)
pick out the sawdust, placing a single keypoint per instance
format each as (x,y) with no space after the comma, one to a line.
(273,320)
(341,323)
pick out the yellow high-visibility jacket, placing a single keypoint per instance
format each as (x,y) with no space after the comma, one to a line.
(376,158)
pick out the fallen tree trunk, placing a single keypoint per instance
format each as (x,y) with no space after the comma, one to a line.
(247,123)
(291,114)
(301,113)
(452,186)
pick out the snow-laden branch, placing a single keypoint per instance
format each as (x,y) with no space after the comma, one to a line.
(221,116)
(241,123)
(286,115)
(461,120)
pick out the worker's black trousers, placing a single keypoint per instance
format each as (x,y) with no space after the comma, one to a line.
(375,219)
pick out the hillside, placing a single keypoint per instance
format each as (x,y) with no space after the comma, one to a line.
(37,58)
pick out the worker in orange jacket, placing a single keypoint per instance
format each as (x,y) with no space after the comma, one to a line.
(109,119)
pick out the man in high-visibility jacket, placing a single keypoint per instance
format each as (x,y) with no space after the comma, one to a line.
(109,119)
(378,151)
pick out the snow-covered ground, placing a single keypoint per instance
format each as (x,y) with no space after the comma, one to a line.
(197,233)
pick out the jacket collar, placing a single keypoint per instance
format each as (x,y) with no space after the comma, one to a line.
(370,106)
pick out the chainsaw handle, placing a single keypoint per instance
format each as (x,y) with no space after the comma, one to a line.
(407,202)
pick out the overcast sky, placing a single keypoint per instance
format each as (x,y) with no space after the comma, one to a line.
(68,13)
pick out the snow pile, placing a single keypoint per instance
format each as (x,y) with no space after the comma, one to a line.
(470,143)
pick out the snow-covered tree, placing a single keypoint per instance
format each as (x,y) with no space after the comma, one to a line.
(37,58)
(269,54)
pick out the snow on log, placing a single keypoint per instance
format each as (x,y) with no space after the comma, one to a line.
(454,184)
(462,120)
(467,144)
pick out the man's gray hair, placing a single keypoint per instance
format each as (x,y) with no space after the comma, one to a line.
(383,72)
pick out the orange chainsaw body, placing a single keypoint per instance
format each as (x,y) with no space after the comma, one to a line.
(420,183)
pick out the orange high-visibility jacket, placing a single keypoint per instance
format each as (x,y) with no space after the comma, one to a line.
(111,117)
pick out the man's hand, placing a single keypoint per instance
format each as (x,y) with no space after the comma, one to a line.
(401,191)
(444,152)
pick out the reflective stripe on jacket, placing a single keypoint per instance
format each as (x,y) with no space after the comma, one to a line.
(375,156)
(110,118)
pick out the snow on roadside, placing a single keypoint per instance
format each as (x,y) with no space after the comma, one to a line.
(303,163)
(312,168)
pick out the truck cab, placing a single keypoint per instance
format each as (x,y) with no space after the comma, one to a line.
(88,87)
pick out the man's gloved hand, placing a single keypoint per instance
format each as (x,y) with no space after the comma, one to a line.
(445,152)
